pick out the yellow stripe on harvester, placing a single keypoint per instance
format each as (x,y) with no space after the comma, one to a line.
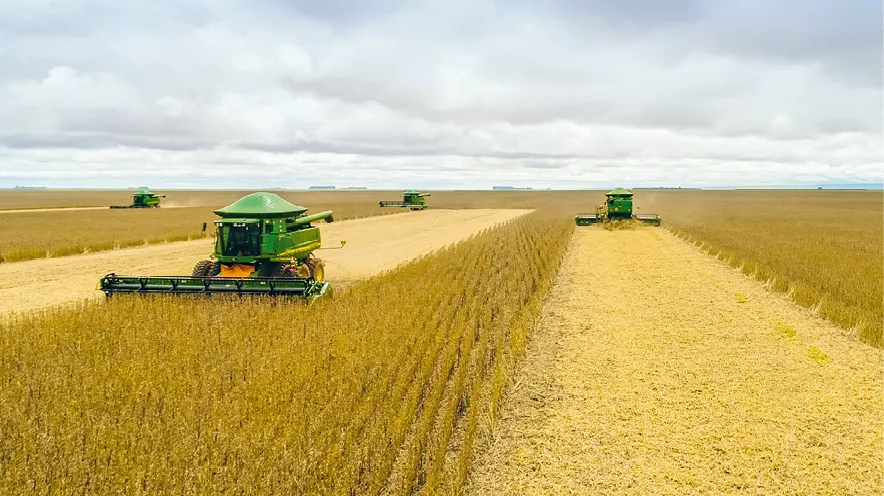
(310,247)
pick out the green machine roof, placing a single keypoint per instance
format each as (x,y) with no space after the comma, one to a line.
(144,191)
(237,220)
(261,205)
(618,192)
(411,191)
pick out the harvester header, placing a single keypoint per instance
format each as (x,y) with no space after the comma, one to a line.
(263,246)
(618,206)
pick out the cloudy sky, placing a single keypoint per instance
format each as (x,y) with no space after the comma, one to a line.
(440,93)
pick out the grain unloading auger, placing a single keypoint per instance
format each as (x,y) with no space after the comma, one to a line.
(617,206)
(143,198)
(263,246)
(410,199)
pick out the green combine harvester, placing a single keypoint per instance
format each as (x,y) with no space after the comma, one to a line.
(143,198)
(410,199)
(263,246)
(617,206)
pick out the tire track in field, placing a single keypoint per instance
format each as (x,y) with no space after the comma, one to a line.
(373,244)
(659,370)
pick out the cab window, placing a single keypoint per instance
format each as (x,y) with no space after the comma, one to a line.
(240,240)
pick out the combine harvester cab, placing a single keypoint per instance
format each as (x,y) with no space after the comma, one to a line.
(143,198)
(263,246)
(410,199)
(618,206)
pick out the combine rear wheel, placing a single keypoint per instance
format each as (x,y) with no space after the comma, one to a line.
(316,267)
(310,268)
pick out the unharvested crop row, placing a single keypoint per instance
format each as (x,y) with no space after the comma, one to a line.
(32,235)
(54,234)
(385,388)
(48,198)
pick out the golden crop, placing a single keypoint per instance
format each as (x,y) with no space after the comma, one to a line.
(53,234)
(31,199)
(384,388)
(34,199)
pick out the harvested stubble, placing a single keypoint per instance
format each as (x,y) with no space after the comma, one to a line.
(383,388)
(659,370)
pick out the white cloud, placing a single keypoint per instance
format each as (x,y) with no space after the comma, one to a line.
(435,94)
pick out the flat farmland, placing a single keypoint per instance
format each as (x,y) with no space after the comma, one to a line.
(12,199)
(471,349)
(657,369)
(384,388)
(372,245)
(30,235)
(63,199)
(44,234)
(824,248)
(60,199)
(41,224)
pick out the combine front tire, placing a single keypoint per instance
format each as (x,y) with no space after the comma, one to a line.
(214,269)
(201,269)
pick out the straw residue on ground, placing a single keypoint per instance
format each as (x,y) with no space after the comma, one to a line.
(659,370)
(373,244)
